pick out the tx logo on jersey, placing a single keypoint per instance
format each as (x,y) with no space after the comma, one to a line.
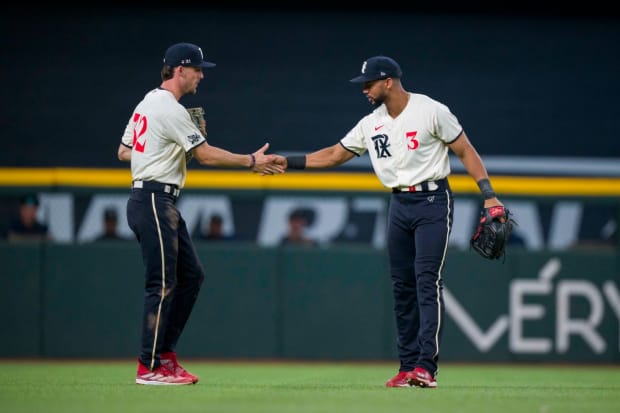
(381,145)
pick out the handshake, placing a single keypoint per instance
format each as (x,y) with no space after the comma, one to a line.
(267,164)
(259,161)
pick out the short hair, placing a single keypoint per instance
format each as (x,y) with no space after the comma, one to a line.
(167,72)
(110,214)
(298,214)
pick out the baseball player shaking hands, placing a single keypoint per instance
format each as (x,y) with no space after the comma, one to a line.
(407,137)
(159,140)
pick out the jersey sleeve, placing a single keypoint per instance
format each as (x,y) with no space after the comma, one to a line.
(354,140)
(446,126)
(183,130)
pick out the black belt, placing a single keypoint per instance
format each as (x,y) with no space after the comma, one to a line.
(425,186)
(157,186)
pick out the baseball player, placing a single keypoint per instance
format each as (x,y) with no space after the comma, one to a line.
(407,137)
(160,138)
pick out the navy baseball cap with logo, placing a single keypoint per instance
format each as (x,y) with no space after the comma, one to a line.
(185,54)
(378,67)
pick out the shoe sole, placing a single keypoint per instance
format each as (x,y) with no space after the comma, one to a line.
(420,383)
(191,377)
(400,385)
(160,383)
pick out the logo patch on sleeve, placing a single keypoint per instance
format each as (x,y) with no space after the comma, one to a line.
(193,138)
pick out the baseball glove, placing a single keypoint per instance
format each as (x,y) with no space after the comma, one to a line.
(491,236)
(198,117)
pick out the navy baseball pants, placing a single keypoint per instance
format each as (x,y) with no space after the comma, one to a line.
(419,225)
(173,271)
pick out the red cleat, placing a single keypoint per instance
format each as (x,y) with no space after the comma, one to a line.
(161,376)
(400,380)
(421,378)
(170,361)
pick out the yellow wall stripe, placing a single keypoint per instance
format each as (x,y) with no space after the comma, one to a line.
(306,181)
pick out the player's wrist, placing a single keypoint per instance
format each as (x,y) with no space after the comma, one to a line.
(252,161)
(486,189)
(296,162)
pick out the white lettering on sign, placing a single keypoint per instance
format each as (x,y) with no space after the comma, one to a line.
(481,340)
(610,290)
(332,214)
(522,311)
(585,328)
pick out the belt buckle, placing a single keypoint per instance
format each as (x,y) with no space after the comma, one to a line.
(424,186)
(415,188)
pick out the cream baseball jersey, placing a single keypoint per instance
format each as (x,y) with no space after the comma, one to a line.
(411,148)
(161,135)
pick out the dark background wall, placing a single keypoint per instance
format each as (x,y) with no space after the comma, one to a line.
(522,83)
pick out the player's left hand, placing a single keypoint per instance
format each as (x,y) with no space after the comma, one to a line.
(493,202)
(494,228)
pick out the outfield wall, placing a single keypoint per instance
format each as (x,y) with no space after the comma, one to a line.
(555,298)
(318,304)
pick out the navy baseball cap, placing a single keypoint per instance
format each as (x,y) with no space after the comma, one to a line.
(378,67)
(185,54)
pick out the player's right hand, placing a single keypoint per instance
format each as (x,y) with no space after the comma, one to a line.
(266,164)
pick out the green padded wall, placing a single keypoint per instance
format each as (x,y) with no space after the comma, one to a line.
(314,304)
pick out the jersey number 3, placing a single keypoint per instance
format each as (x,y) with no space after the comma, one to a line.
(412,142)
(139,129)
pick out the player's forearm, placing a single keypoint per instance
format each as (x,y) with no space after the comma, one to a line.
(214,156)
(469,157)
(473,165)
(124,153)
(476,169)
(319,161)
(327,157)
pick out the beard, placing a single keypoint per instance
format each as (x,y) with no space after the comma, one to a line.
(378,102)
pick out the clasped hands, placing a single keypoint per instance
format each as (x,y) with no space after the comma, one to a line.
(268,164)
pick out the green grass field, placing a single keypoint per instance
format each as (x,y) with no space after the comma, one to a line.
(238,387)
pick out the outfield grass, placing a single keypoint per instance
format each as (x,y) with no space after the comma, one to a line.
(108,386)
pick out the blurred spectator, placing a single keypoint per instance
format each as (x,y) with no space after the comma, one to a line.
(214,230)
(296,233)
(110,227)
(26,227)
